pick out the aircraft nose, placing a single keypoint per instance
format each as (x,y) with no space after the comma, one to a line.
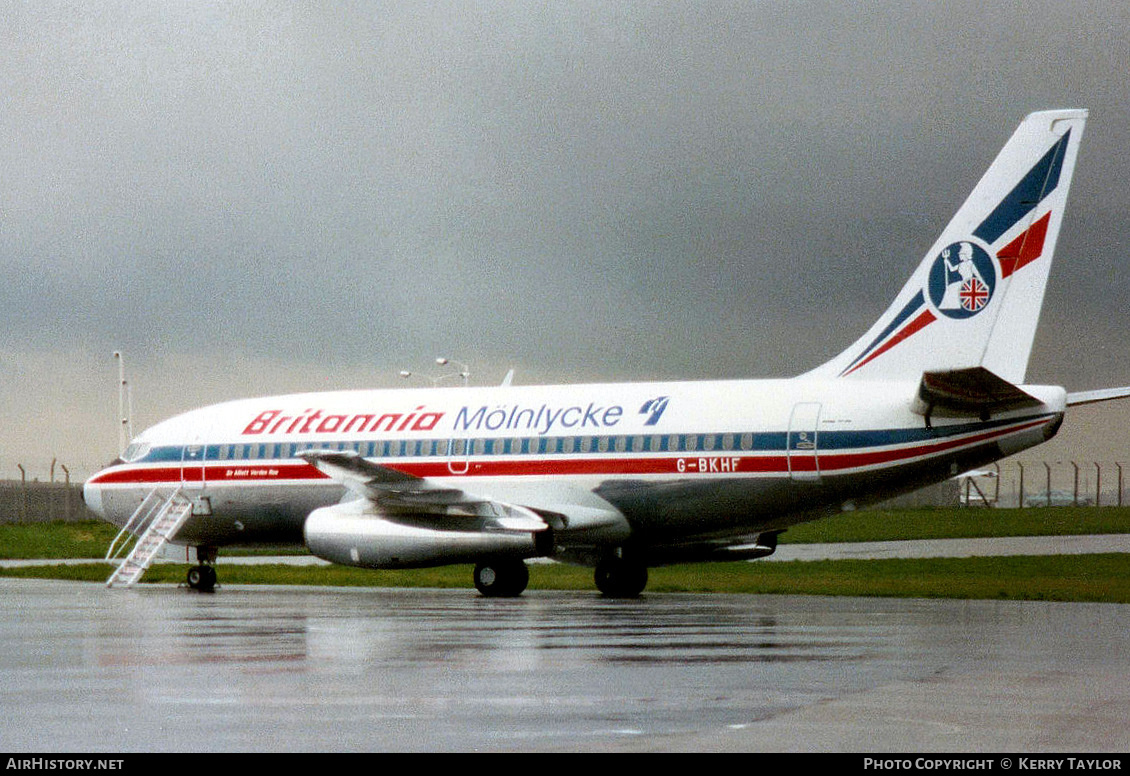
(92,497)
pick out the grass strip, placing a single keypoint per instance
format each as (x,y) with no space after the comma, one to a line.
(1097,578)
(90,539)
(958,523)
(87,539)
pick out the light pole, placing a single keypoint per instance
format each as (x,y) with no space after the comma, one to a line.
(1119,467)
(121,401)
(1098,484)
(464,370)
(406,374)
(1020,503)
(67,502)
(125,405)
(1048,486)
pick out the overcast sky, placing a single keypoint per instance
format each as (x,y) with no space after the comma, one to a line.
(256,197)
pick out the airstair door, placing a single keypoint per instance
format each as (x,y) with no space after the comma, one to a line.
(193,475)
(192,462)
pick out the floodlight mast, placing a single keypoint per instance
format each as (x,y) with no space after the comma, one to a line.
(408,374)
(125,432)
(464,370)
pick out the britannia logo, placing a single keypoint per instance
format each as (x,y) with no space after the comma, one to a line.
(962,280)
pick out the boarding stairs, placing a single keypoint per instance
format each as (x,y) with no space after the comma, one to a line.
(155,522)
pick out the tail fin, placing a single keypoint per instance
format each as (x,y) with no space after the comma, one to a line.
(975,299)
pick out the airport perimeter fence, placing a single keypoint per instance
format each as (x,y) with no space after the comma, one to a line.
(42,502)
(1007,485)
(1013,484)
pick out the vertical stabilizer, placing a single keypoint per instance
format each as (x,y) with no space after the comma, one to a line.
(975,299)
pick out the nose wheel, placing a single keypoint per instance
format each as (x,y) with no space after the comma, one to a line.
(202,578)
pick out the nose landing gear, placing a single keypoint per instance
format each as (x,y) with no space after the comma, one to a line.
(202,577)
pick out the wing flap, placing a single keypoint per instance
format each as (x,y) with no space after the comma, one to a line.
(394,493)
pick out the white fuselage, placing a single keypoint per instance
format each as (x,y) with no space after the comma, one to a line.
(680,460)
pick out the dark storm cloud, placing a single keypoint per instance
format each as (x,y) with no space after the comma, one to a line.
(584,190)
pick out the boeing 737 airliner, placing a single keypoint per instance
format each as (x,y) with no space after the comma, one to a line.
(627,476)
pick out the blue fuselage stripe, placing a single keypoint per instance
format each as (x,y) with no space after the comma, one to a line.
(772,441)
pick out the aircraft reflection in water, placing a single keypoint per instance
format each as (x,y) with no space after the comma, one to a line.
(627,476)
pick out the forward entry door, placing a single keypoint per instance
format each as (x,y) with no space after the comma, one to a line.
(193,475)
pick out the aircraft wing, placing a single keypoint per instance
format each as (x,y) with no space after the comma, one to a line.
(397,493)
(569,511)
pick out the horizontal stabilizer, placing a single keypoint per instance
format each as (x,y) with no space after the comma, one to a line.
(975,392)
(1103,394)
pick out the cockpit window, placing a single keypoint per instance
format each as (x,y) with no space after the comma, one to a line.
(135,452)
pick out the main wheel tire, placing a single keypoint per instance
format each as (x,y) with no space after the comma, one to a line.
(501,579)
(619,578)
(202,578)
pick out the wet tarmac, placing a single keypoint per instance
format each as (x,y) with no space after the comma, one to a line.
(84,668)
(916,548)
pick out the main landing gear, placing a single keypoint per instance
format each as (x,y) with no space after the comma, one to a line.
(202,577)
(616,577)
(502,578)
(620,577)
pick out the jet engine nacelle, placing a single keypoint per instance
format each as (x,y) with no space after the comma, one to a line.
(354,534)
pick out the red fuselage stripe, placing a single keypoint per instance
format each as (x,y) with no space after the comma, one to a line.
(714,462)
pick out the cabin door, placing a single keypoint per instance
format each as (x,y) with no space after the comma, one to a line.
(193,475)
(193,456)
(802,444)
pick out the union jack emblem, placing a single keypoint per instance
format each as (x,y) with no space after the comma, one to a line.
(974,295)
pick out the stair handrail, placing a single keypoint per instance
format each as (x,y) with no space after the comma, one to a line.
(139,521)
